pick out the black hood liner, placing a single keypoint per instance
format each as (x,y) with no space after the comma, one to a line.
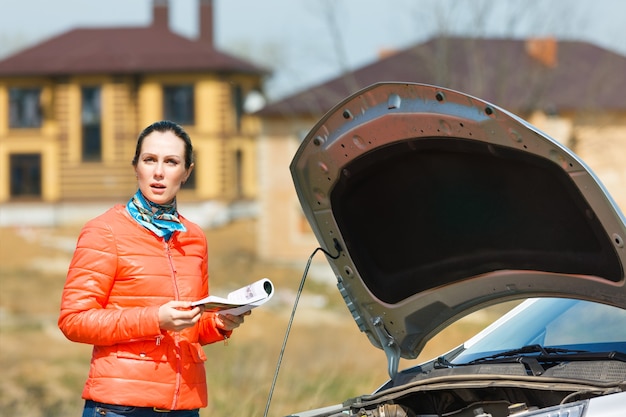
(444,209)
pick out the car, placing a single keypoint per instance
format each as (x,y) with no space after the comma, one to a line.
(431,204)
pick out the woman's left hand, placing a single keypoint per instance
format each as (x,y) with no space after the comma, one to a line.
(229,322)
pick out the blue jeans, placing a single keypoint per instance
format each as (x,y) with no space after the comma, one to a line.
(94,409)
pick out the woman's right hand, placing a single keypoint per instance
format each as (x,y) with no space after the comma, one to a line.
(178,315)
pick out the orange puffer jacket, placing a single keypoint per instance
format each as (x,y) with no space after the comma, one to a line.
(119,276)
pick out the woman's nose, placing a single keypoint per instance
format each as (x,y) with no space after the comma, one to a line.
(158,170)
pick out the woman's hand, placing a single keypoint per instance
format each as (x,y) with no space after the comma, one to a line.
(228,322)
(178,315)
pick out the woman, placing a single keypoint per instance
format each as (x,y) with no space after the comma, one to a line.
(135,271)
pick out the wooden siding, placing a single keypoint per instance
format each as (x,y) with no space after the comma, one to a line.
(129,103)
(112,177)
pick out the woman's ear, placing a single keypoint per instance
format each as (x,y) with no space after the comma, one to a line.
(188,173)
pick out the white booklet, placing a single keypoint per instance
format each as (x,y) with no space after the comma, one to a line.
(241,300)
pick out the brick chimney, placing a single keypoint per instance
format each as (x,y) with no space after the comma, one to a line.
(160,14)
(206,22)
(543,50)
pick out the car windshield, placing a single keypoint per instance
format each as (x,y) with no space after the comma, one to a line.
(552,322)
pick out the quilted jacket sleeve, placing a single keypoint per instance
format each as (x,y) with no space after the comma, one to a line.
(83,317)
(209,333)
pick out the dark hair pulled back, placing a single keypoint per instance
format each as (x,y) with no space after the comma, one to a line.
(165,126)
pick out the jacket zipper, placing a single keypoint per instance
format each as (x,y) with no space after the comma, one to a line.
(176,335)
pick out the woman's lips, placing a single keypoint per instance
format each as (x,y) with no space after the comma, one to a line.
(158,188)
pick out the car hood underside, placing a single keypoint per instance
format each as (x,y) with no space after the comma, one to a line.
(433,204)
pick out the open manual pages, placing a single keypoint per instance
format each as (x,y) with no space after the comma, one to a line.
(241,300)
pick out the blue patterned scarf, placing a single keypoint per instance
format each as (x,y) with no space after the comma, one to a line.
(162,220)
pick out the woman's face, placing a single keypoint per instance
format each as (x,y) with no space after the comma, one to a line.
(161,166)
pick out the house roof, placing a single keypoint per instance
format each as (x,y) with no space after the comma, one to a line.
(516,74)
(121,51)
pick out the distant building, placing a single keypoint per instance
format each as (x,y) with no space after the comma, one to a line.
(574,91)
(71,108)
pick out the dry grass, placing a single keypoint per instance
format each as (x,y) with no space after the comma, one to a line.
(326,359)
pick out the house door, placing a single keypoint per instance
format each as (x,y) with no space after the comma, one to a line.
(25,174)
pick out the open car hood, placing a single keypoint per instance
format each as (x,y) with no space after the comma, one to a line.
(437,204)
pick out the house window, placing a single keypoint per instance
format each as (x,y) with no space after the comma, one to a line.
(238,103)
(239,173)
(178,104)
(24,108)
(91,116)
(25,174)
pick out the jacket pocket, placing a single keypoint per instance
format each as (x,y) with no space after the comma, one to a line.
(143,350)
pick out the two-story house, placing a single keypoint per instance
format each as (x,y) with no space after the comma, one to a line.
(72,106)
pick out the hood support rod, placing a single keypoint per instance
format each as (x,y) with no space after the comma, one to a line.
(389,346)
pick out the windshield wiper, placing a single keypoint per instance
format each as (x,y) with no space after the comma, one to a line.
(536,357)
(543,351)
(546,354)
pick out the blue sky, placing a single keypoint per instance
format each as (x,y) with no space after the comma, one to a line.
(309,41)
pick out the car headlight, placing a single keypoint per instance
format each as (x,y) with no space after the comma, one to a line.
(576,409)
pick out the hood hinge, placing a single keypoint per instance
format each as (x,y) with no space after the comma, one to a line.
(389,346)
